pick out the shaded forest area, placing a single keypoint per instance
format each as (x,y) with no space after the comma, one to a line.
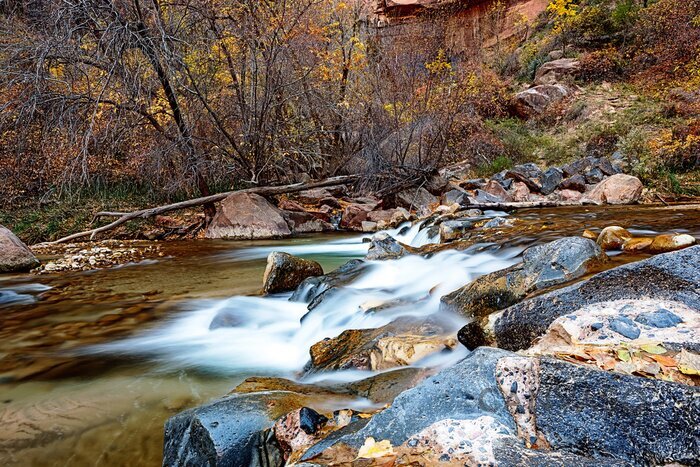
(155,101)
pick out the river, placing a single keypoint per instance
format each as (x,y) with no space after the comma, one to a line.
(93,363)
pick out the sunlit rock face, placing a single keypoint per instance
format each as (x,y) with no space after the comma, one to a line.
(462,22)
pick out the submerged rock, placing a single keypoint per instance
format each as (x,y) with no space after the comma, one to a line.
(246,216)
(285,272)
(455,229)
(14,254)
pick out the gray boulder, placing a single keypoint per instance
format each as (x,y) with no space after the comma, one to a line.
(313,287)
(575,182)
(14,254)
(419,199)
(529,174)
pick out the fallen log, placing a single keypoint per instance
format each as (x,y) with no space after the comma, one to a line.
(512,206)
(150,212)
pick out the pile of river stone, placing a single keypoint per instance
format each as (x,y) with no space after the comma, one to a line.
(589,180)
(606,372)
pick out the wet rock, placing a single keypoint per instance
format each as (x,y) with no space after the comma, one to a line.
(535,100)
(304,222)
(575,183)
(285,272)
(529,174)
(419,200)
(14,255)
(542,266)
(456,229)
(247,216)
(297,430)
(401,342)
(670,276)
(227,431)
(312,287)
(642,421)
(226,319)
(383,246)
(671,242)
(555,71)
(613,238)
(617,189)
(551,179)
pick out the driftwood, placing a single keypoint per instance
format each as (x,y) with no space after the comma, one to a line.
(150,212)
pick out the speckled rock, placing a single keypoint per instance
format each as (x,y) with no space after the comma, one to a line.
(671,276)
(247,216)
(14,255)
(455,229)
(285,272)
(617,189)
(642,421)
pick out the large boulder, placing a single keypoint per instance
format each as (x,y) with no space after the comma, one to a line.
(543,266)
(617,189)
(553,72)
(14,255)
(497,408)
(247,216)
(285,272)
(496,189)
(671,276)
(535,100)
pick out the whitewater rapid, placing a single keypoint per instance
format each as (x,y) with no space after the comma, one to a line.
(268,334)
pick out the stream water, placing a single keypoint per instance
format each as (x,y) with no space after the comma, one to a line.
(93,363)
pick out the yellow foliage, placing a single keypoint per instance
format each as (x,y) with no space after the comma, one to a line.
(440,64)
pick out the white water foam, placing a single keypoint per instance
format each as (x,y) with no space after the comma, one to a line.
(268,335)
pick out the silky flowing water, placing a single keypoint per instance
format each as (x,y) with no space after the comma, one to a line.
(93,363)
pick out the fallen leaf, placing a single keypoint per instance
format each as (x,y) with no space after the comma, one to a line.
(665,360)
(373,450)
(624,355)
(654,349)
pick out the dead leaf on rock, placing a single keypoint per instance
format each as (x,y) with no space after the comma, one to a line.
(373,450)
(689,363)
